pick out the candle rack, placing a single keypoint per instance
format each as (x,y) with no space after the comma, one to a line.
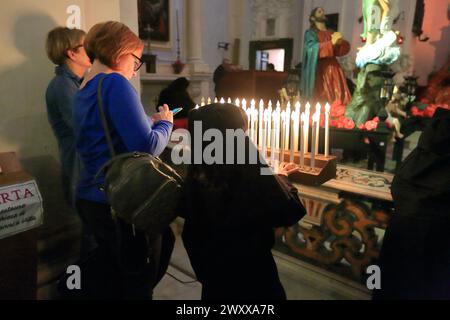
(324,168)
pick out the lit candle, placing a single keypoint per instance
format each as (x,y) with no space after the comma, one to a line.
(273,144)
(202,103)
(252,104)
(197,106)
(318,108)
(277,133)
(215,100)
(315,123)
(222,100)
(269,128)
(292,118)
(306,127)
(261,115)
(283,134)
(297,107)
(302,140)
(229,100)
(288,125)
(244,104)
(327,130)
(209,100)
(237,102)
(264,137)
(248,112)
(252,124)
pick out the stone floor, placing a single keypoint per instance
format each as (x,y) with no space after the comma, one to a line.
(301,281)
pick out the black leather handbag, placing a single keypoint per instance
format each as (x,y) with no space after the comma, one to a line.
(142,190)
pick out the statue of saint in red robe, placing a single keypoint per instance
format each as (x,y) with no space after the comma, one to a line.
(323,79)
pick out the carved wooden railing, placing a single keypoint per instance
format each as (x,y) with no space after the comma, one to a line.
(343,228)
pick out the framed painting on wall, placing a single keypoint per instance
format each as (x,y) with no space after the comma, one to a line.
(154,22)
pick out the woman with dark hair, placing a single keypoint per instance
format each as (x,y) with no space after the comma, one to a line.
(177,96)
(231,211)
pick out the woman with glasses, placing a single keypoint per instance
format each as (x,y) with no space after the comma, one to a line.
(65,49)
(115,51)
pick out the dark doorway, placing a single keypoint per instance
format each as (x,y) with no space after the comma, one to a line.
(332,21)
(259,54)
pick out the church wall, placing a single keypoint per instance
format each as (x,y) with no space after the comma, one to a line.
(215,30)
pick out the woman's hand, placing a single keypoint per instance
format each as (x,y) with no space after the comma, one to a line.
(286,169)
(163,114)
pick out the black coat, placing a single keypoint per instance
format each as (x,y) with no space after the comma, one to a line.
(415,257)
(229,235)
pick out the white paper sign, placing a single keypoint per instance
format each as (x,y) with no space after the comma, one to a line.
(20,208)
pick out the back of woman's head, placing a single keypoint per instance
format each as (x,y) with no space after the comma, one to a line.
(108,41)
(180,84)
(60,40)
(237,153)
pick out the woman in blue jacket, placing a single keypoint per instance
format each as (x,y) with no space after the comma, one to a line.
(65,49)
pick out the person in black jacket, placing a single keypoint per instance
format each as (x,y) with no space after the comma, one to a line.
(230,213)
(415,257)
(177,96)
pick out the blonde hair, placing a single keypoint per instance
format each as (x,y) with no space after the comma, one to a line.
(61,39)
(110,40)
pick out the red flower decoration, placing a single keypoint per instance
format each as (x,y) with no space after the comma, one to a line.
(361,127)
(416,112)
(333,123)
(371,125)
(348,124)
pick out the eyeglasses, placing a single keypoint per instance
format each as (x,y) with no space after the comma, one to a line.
(77,47)
(137,63)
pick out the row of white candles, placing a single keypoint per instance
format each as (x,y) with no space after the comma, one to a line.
(279,130)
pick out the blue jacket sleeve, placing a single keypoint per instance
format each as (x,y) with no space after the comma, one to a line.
(127,115)
(64,94)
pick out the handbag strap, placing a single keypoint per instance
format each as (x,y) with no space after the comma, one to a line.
(103,117)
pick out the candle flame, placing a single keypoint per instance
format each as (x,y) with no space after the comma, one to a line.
(297,105)
(215,100)
(197,106)
(229,100)
(261,104)
(270,104)
(202,103)
(222,100)
(237,102)
(327,107)
(288,105)
(318,107)
(209,100)
(307,107)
